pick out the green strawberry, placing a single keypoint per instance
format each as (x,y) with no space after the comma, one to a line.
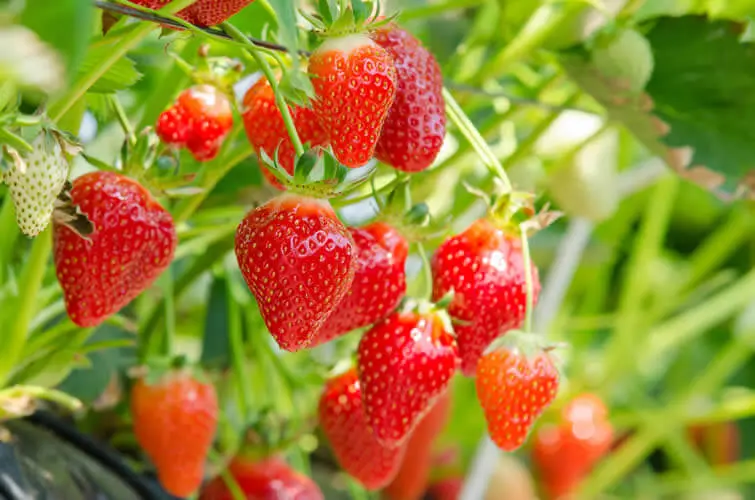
(625,58)
(36,179)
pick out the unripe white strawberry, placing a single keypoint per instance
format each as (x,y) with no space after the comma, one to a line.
(35,181)
(626,58)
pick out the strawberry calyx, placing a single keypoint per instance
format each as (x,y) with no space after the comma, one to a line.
(318,174)
(511,210)
(158,369)
(413,221)
(344,17)
(528,345)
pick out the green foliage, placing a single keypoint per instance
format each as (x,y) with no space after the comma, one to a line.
(64,24)
(704,92)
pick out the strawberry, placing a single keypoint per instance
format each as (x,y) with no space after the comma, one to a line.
(132,244)
(35,181)
(202,12)
(565,453)
(414,474)
(344,423)
(485,269)
(355,84)
(514,389)
(405,364)
(267,132)
(298,260)
(199,120)
(379,281)
(269,478)
(446,489)
(414,131)
(174,422)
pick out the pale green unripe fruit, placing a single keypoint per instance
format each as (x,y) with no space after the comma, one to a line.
(626,59)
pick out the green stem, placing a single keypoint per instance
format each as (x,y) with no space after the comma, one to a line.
(120,113)
(10,234)
(15,141)
(170,313)
(688,325)
(544,21)
(636,283)
(356,490)
(210,175)
(238,357)
(470,132)
(427,271)
(280,102)
(29,285)
(22,391)
(527,261)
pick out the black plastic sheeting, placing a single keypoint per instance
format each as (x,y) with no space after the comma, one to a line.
(46,459)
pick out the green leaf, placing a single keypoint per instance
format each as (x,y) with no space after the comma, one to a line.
(699,105)
(119,76)
(704,89)
(715,9)
(64,24)
(215,343)
(288,34)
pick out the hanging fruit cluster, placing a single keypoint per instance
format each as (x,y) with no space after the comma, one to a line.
(376,94)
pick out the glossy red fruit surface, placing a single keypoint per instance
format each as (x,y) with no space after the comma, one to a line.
(355,84)
(379,281)
(415,129)
(266,479)
(344,423)
(267,132)
(484,267)
(174,422)
(405,364)
(514,390)
(299,261)
(132,244)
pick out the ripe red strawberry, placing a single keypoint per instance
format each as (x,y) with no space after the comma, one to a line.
(379,281)
(413,475)
(203,12)
(266,131)
(132,244)
(174,422)
(446,489)
(344,423)
(355,84)
(513,390)
(298,260)
(405,364)
(484,267)
(199,120)
(269,478)
(414,131)
(565,453)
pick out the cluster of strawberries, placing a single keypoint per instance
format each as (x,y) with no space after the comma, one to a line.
(315,280)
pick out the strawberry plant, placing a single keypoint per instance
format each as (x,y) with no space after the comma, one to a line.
(350,249)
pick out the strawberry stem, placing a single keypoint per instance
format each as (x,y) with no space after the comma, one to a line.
(478,143)
(170,313)
(280,101)
(16,329)
(427,272)
(120,113)
(527,279)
